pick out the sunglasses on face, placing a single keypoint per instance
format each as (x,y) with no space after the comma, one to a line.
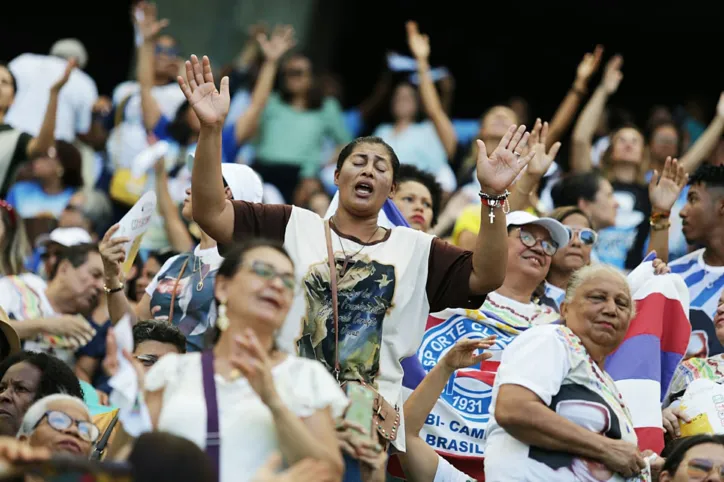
(147,360)
(529,240)
(267,271)
(170,51)
(62,421)
(586,235)
(698,469)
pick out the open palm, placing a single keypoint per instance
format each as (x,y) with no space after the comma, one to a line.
(279,43)
(665,189)
(462,354)
(542,160)
(419,44)
(209,104)
(496,172)
(146,19)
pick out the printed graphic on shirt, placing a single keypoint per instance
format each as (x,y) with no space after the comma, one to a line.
(193,301)
(365,294)
(588,410)
(615,242)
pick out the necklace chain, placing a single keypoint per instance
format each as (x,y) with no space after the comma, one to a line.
(349,258)
(202,275)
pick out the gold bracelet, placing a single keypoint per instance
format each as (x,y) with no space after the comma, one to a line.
(110,291)
(660,226)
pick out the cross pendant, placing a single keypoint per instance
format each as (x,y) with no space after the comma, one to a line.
(491,215)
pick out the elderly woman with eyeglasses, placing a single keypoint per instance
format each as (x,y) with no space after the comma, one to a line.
(245,399)
(60,423)
(556,415)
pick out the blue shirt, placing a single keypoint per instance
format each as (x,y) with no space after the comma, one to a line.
(30,201)
(96,348)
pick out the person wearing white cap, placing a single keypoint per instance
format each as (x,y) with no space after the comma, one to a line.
(36,73)
(49,244)
(183,290)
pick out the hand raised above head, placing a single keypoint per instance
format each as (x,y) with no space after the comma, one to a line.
(497,171)
(278,43)
(209,103)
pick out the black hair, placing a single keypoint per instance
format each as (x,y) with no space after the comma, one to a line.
(683,445)
(179,128)
(55,375)
(69,157)
(13,80)
(349,148)
(233,259)
(76,255)
(409,172)
(315,96)
(160,331)
(711,176)
(163,457)
(574,187)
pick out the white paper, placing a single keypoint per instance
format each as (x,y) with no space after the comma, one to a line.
(133,226)
(147,158)
(705,397)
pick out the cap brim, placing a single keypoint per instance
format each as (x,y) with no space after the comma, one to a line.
(11,336)
(558,232)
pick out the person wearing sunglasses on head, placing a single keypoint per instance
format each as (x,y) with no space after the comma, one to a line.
(60,423)
(571,257)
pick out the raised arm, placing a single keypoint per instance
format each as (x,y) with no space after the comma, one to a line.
(664,190)
(211,210)
(149,27)
(587,122)
(420,47)
(420,460)
(563,117)
(495,174)
(706,142)
(46,137)
(178,234)
(273,48)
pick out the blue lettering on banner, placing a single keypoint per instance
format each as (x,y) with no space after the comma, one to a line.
(457,423)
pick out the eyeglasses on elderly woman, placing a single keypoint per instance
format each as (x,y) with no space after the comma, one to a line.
(61,421)
(529,240)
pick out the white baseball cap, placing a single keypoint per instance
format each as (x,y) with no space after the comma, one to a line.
(65,237)
(558,232)
(244,182)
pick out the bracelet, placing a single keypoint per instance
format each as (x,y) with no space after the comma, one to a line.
(659,216)
(110,291)
(499,201)
(580,92)
(660,226)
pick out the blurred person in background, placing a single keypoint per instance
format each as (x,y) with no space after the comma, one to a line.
(25,378)
(17,146)
(14,246)
(52,318)
(35,74)
(90,210)
(591,193)
(56,177)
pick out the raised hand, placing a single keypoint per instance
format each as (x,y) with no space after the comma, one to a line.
(665,189)
(495,173)
(113,253)
(254,363)
(55,88)
(612,76)
(281,41)
(462,354)
(146,19)
(589,65)
(211,105)
(542,160)
(419,43)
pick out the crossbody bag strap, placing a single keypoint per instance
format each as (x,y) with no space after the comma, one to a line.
(213,436)
(175,287)
(335,300)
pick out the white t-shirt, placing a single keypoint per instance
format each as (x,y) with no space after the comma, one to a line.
(23,298)
(246,425)
(385,296)
(551,362)
(446,472)
(35,74)
(129,138)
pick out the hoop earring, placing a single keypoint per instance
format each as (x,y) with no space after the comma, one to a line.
(222,321)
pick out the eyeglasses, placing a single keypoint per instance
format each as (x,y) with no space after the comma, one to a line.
(267,271)
(62,421)
(170,51)
(147,360)
(529,240)
(587,235)
(698,469)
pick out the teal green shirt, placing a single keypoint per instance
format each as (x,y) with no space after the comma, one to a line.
(290,136)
